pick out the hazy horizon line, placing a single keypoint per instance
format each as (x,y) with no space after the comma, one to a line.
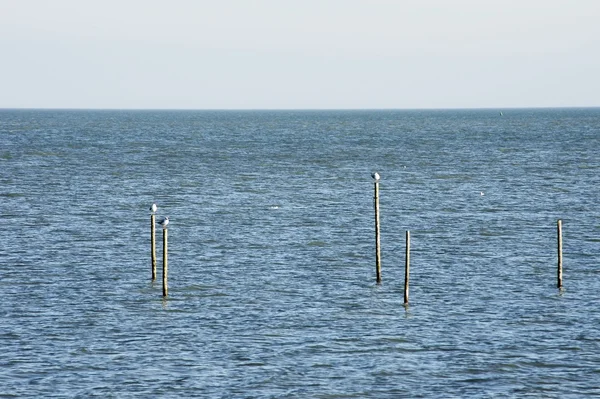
(295,109)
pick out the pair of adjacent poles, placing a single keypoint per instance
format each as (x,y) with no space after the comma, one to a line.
(165,286)
(378,245)
(407,256)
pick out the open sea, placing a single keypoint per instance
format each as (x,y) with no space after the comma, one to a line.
(272,290)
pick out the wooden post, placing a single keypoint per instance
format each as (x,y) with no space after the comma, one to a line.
(165,263)
(406,267)
(377,240)
(560,255)
(153,245)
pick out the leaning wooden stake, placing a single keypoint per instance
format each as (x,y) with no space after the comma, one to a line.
(377,240)
(165,262)
(560,255)
(153,245)
(407,267)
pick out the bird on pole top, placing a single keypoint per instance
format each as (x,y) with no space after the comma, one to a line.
(375,176)
(153,208)
(164,222)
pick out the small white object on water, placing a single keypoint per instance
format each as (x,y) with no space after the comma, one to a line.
(482,193)
(153,208)
(164,222)
(375,176)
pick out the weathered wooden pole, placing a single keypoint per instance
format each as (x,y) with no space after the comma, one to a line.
(407,267)
(153,245)
(376,177)
(165,262)
(153,239)
(560,255)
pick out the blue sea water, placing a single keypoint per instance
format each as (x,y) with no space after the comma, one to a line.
(272,290)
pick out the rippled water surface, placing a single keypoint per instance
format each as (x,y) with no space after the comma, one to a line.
(272,289)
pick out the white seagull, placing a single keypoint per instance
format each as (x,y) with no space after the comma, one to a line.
(164,222)
(153,208)
(375,176)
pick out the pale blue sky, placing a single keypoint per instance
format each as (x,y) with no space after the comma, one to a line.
(282,54)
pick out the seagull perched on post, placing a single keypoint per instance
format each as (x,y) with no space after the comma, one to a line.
(375,176)
(164,222)
(153,208)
